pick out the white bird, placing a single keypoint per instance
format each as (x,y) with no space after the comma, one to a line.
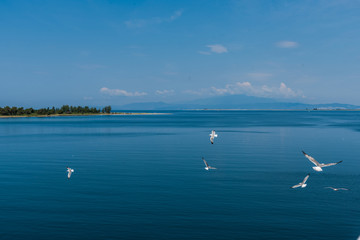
(69,170)
(302,184)
(212,136)
(337,189)
(318,166)
(207,167)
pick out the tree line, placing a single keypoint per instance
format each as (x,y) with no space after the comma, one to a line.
(65,109)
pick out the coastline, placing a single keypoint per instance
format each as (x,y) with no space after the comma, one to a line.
(157,113)
(86,114)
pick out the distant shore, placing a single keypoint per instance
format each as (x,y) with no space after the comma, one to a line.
(85,114)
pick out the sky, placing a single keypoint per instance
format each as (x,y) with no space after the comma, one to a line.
(100,53)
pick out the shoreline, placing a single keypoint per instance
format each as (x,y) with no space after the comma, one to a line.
(157,113)
(86,114)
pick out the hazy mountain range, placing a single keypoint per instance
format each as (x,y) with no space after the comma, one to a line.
(232,102)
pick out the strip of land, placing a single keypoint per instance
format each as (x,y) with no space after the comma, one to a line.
(85,114)
(65,110)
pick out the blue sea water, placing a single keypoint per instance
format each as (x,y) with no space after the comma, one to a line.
(142,177)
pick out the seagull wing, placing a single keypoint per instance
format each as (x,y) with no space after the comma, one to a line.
(211,167)
(69,174)
(330,187)
(311,159)
(205,162)
(343,189)
(329,164)
(296,186)
(305,179)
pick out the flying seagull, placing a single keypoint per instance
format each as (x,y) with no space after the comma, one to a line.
(318,166)
(69,170)
(207,167)
(337,189)
(302,184)
(212,136)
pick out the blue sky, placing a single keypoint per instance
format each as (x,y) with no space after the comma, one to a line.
(118,52)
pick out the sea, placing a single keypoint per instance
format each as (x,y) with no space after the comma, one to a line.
(142,176)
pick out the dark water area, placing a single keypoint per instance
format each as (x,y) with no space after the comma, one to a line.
(142,177)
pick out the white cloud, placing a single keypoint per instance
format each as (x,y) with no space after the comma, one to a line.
(287,44)
(248,89)
(138,23)
(217,48)
(120,92)
(285,91)
(164,92)
(237,88)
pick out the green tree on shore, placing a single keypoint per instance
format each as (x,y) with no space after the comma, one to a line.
(65,109)
(107,109)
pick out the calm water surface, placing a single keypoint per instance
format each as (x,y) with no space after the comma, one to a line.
(142,177)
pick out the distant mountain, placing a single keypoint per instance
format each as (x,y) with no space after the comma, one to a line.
(233,102)
(145,106)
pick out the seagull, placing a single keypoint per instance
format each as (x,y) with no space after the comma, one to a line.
(207,167)
(212,136)
(69,170)
(337,189)
(318,166)
(302,184)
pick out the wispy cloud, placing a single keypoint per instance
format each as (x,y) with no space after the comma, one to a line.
(236,88)
(287,44)
(164,92)
(176,15)
(204,53)
(139,23)
(120,92)
(248,89)
(217,48)
(214,48)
